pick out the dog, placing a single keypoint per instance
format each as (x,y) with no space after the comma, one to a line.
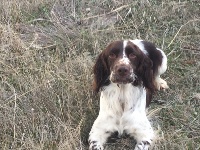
(126,73)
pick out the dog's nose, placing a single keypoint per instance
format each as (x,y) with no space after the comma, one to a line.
(123,70)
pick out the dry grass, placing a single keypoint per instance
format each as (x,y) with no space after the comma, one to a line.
(47,51)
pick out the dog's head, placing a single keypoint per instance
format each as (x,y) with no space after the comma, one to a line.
(122,62)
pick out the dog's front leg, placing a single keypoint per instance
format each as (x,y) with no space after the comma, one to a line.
(102,128)
(138,126)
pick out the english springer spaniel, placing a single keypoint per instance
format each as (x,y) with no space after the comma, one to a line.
(126,73)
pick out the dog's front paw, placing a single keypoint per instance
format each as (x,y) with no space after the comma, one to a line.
(144,145)
(94,145)
(161,84)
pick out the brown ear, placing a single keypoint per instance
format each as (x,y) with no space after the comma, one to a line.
(145,71)
(101,72)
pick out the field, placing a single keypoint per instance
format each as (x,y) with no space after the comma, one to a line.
(48,48)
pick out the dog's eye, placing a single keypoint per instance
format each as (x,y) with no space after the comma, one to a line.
(131,55)
(112,55)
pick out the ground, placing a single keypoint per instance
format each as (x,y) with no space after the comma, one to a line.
(48,48)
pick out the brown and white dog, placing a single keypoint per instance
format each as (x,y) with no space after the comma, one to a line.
(126,73)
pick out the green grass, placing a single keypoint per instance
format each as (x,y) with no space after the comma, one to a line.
(47,50)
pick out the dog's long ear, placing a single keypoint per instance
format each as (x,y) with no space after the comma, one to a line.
(145,71)
(101,72)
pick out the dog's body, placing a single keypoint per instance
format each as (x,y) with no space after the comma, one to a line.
(127,73)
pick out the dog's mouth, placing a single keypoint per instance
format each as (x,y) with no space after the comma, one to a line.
(122,80)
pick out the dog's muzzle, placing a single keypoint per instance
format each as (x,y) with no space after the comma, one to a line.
(122,74)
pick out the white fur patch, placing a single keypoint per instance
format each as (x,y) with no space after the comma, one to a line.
(163,66)
(124,46)
(122,108)
(161,84)
(124,59)
(140,45)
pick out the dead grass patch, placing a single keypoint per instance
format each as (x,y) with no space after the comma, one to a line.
(47,52)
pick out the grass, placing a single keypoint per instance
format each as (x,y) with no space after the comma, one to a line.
(47,50)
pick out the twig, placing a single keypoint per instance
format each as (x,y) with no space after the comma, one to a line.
(115,10)
(191,48)
(14,117)
(38,19)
